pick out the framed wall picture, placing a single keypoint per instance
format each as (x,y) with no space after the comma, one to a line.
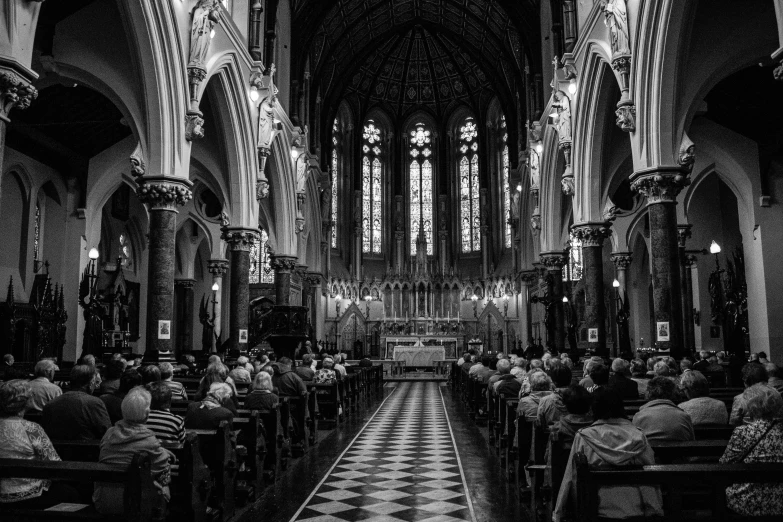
(242,336)
(164,329)
(662,330)
(592,335)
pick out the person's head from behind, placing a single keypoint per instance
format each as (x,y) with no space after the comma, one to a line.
(114,369)
(540,381)
(503,366)
(536,364)
(763,357)
(8,359)
(166,371)
(14,396)
(213,359)
(242,360)
(149,373)
(685,365)
(216,372)
(328,363)
(45,368)
(160,396)
(577,400)
(567,362)
(486,360)
(466,357)
(773,371)
(661,388)
(129,380)
(262,382)
(704,355)
(285,361)
(600,375)
(638,368)
(661,369)
(695,384)
(589,365)
(608,404)
(307,359)
(651,362)
(620,367)
(753,373)
(136,405)
(220,391)
(83,377)
(88,359)
(561,376)
(521,362)
(762,402)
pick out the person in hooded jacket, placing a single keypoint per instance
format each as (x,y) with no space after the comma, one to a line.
(612,440)
(540,387)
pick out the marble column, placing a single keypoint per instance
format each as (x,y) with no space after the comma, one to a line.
(592,236)
(239,240)
(683,234)
(283,266)
(690,327)
(185,324)
(218,268)
(660,185)
(554,261)
(621,260)
(161,195)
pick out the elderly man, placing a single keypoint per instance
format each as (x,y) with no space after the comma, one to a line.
(660,418)
(167,379)
(478,364)
(166,426)
(621,382)
(113,371)
(76,414)
(752,373)
(304,370)
(540,387)
(703,363)
(551,407)
(287,382)
(774,373)
(125,440)
(208,413)
(599,375)
(703,409)
(483,374)
(42,388)
(591,363)
(240,374)
(503,367)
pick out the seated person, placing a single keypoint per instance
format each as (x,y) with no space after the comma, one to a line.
(76,414)
(208,413)
(551,406)
(261,396)
(111,378)
(613,441)
(304,370)
(486,371)
(599,375)
(217,372)
(149,373)
(703,363)
(23,439)
(43,389)
(287,382)
(759,440)
(507,384)
(326,374)
(502,367)
(125,440)
(660,418)
(703,409)
(577,402)
(167,378)
(164,424)
(478,364)
(540,387)
(518,370)
(113,401)
(752,373)
(774,373)
(244,362)
(338,364)
(365,363)
(591,363)
(621,381)
(639,376)
(240,374)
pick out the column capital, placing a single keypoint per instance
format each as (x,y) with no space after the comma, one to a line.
(621,260)
(591,234)
(218,267)
(683,234)
(553,260)
(691,260)
(283,263)
(528,276)
(314,278)
(185,283)
(163,192)
(399,235)
(660,184)
(15,91)
(239,238)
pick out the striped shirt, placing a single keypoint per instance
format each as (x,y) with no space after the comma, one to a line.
(166,426)
(178,392)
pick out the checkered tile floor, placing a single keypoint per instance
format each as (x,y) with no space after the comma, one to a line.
(401,466)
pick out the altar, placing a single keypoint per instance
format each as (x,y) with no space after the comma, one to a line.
(419,355)
(420,350)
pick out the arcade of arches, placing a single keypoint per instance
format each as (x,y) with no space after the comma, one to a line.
(375,173)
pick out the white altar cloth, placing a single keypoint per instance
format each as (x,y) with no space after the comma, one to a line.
(419,355)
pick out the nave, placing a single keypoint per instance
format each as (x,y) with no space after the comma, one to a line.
(417,457)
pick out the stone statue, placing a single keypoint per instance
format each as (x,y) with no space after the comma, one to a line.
(515,205)
(563,119)
(205,15)
(616,19)
(687,153)
(301,172)
(266,123)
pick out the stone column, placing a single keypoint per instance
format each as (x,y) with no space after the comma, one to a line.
(218,268)
(443,234)
(239,240)
(485,257)
(15,91)
(592,236)
(621,260)
(687,302)
(525,324)
(683,234)
(185,325)
(660,185)
(283,266)
(161,195)
(399,250)
(358,231)
(553,261)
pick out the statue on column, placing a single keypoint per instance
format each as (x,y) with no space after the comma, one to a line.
(616,19)
(266,123)
(205,15)
(562,121)
(208,326)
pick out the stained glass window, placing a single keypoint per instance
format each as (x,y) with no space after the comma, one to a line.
(506,187)
(37,232)
(372,189)
(470,217)
(125,253)
(421,181)
(574,270)
(335,178)
(260,260)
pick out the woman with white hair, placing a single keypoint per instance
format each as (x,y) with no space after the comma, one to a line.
(210,412)
(127,438)
(759,440)
(261,396)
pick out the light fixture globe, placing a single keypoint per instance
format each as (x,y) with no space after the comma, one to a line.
(565,299)
(368,298)
(215,287)
(539,148)
(93,253)
(714,248)
(338,297)
(474,298)
(616,283)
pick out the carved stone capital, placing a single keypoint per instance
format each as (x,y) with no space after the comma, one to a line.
(528,276)
(443,235)
(163,192)
(313,278)
(659,184)
(535,223)
(591,234)
(691,259)
(683,234)
(187,284)
(567,184)
(399,235)
(239,239)
(194,125)
(626,117)
(15,91)
(283,263)
(262,189)
(621,260)
(553,261)
(218,267)
(138,167)
(622,63)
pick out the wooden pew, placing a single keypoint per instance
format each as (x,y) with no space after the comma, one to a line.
(512,453)
(220,456)
(328,398)
(251,450)
(142,502)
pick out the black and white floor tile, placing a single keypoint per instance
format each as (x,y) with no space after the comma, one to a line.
(403,466)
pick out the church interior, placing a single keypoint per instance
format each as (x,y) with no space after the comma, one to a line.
(342,260)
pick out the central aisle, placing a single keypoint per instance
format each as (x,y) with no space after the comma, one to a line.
(402,466)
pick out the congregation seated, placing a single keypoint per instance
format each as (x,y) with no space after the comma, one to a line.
(759,440)
(305,370)
(261,396)
(703,363)
(577,403)
(611,441)
(752,373)
(590,363)
(774,375)
(620,380)
(540,387)
(551,407)
(111,379)
(326,374)
(702,409)
(599,375)
(167,379)
(660,418)
(240,374)
(216,373)
(478,365)
(639,376)
(122,442)
(506,384)
(77,414)
(27,440)
(113,401)
(495,376)
(166,426)
(339,366)
(149,373)
(43,390)
(287,382)
(208,413)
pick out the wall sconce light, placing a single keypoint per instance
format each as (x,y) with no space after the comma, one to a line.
(254,93)
(539,147)
(339,300)
(572,87)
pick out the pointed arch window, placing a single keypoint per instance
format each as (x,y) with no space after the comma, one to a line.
(468,164)
(573,271)
(335,177)
(504,165)
(260,261)
(125,250)
(372,192)
(37,234)
(420,189)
